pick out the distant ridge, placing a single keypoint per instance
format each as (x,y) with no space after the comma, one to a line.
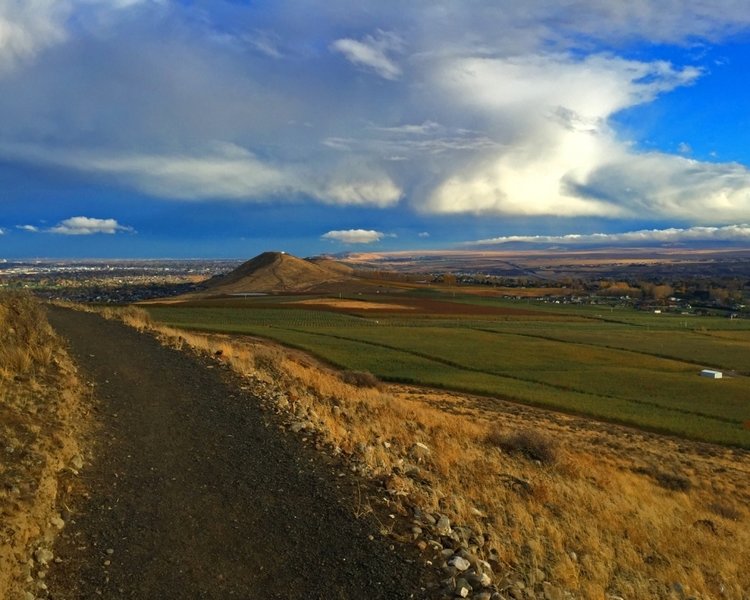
(278,272)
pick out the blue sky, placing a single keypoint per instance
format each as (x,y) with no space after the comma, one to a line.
(150,128)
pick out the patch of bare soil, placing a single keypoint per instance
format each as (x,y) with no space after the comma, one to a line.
(354,304)
(194,493)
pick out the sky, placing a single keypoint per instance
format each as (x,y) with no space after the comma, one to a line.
(224,128)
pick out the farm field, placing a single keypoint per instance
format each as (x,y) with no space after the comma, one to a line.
(623,366)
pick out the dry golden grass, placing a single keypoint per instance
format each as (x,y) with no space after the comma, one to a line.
(42,417)
(596,510)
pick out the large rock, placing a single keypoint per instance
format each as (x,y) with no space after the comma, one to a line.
(443,526)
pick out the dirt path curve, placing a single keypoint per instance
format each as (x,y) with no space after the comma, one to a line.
(193,495)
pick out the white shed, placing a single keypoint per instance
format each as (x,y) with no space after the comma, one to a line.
(711,374)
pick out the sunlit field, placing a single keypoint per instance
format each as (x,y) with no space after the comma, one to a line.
(619,364)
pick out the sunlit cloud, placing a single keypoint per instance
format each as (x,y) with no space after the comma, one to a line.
(354,236)
(88,226)
(552,111)
(29,228)
(223,171)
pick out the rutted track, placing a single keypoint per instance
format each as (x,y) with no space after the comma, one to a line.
(197,496)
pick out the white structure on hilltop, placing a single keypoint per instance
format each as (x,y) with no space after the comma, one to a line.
(711,374)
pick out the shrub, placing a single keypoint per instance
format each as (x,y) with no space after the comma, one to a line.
(25,336)
(530,444)
(673,481)
(360,379)
(724,511)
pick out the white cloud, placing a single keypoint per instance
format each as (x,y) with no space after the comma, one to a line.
(31,228)
(222,171)
(265,42)
(424,234)
(684,148)
(552,111)
(420,129)
(371,52)
(658,185)
(727,233)
(88,226)
(28,27)
(380,192)
(354,236)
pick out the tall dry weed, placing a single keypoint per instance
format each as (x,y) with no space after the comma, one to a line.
(26,338)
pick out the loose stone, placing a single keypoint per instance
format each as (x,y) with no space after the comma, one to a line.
(443,526)
(460,563)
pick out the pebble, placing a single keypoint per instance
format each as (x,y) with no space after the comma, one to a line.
(463,589)
(43,556)
(57,521)
(460,563)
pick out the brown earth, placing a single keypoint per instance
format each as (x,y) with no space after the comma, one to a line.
(278,272)
(389,304)
(194,493)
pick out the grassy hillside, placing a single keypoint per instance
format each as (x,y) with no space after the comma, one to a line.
(554,503)
(42,415)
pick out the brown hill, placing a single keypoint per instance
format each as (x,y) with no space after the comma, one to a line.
(278,272)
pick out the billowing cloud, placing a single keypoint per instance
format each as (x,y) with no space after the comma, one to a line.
(728,233)
(554,111)
(371,52)
(88,226)
(354,236)
(492,109)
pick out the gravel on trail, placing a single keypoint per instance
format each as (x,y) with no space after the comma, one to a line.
(193,492)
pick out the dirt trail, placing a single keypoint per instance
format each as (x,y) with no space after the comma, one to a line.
(194,495)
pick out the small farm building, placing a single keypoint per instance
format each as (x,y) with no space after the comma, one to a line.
(711,374)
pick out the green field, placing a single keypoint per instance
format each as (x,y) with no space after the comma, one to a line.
(619,365)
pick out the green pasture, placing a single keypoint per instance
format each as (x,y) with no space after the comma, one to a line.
(639,369)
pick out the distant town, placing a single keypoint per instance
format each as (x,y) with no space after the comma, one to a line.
(109,281)
(720,287)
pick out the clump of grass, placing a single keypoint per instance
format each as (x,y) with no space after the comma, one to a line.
(673,481)
(529,443)
(360,379)
(724,511)
(134,316)
(25,336)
